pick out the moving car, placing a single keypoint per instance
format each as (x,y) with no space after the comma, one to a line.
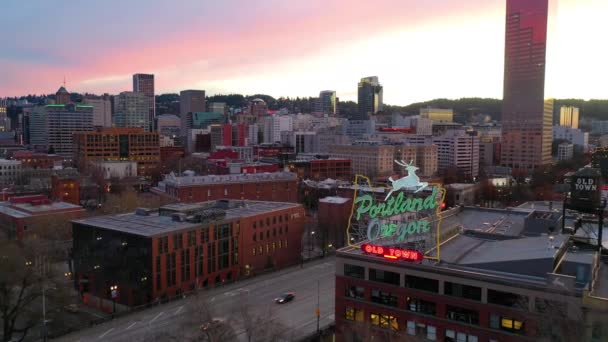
(284,298)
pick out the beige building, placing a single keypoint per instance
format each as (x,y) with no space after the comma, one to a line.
(379,160)
(568,116)
(369,160)
(437,115)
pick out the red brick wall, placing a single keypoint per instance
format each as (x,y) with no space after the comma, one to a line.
(279,191)
(333,221)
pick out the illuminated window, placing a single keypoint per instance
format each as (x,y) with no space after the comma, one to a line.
(285,243)
(280,243)
(260,250)
(375,319)
(253,251)
(274,246)
(267,248)
(350,314)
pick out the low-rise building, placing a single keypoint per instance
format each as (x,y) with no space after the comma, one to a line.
(182,247)
(10,172)
(507,276)
(116,168)
(34,215)
(321,168)
(189,188)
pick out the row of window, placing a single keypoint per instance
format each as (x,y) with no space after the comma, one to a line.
(260,250)
(274,233)
(469,292)
(222,231)
(274,221)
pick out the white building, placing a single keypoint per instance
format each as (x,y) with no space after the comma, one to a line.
(165,141)
(357,129)
(422,126)
(10,172)
(456,148)
(573,135)
(565,151)
(252,134)
(102,110)
(117,169)
(274,125)
(52,126)
(218,107)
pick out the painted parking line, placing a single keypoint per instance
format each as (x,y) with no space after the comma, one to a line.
(105,333)
(156,317)
(131,326)
(178,310)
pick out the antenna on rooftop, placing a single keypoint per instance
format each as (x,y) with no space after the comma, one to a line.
(64,81)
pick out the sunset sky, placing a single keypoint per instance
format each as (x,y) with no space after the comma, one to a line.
(420,50)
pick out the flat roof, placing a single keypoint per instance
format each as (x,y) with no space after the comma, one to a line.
(22,210)
(155,224)
(491,243)
(334,199)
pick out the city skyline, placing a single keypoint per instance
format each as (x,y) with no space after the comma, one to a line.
(328,49)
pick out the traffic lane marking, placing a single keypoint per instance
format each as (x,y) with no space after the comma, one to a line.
(105,333)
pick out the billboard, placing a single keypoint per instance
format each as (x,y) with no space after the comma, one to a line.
(405,216)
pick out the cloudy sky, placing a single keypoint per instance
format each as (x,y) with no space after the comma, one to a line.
(419,49)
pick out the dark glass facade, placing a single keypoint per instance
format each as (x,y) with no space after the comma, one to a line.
(526,117)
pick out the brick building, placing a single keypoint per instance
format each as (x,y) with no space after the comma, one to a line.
(507,276)
(65,189)
(319,169)
(277,186)
(333,215)
(30,215)
(133,144)
(37,160)
(153,254)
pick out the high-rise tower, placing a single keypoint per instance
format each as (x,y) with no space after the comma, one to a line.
(144,83)
(526,117)
(369,98)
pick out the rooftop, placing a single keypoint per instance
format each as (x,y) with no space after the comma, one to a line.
(494,243)
(172,179)
(148,223)
(334,200)
(27,206)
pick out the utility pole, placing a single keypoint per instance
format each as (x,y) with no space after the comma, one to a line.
(318,311)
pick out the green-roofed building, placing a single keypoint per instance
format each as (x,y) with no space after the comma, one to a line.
(52,126)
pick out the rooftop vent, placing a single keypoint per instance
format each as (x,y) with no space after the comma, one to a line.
(142,212)
(178,217)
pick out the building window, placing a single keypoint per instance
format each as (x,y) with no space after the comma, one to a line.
(384,321)
(254,237)
(421,306)
(191,236)
(260,249)
(382,276)
(205,235)
(353,271)
(274,232)
(353,314)
(384,298)
(454,336)
(356,292)
(462,315)
(253,251)
(494,321)
(411,328)
(511,300)
(554,308)
(431,333)
(261,236)
(424,284)
(268,234)
(285,243)
(280,243)
(463,291)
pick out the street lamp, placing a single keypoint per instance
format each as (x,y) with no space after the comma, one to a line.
(114,295)
(312,235)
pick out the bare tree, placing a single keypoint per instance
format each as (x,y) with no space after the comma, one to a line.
(260,326)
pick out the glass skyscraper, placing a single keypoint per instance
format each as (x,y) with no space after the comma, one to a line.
(369,98)
(526,117)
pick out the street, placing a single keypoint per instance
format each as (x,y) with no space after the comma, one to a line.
(297,318)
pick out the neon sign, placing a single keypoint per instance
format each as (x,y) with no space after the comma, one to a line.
(392,252)
(408,210)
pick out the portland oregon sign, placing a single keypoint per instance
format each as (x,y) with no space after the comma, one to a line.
(401,219)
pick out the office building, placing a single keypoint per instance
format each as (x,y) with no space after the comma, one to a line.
(132,110)
(422,126)
(523,281)
(277,186)
(190,101)
(30,159)
(258,108)
(526,116)
(202,120)
(5,121)
(427,159)
(321,168)
(218,107)
(228,135)
(568,116)
(460,150)
(565,151)
(328,102)
(144,83)
(253,134)
(10,172)
(274,125)
(51,127)
(102,110)
(437,115)
(573,135)
(181,247)
(370,160)
(118,144)
(357,129)
(169,125)
(23,216)
(369,98)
